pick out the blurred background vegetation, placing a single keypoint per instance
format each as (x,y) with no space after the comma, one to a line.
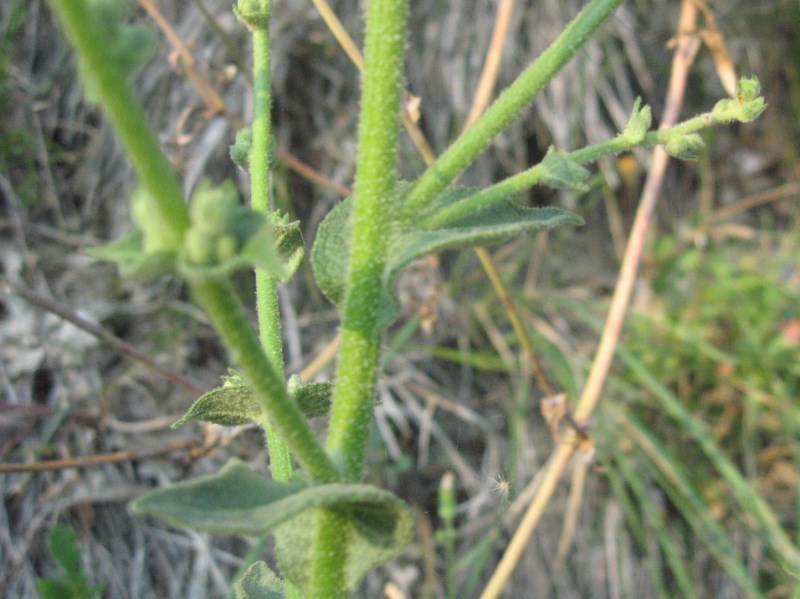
(693,486)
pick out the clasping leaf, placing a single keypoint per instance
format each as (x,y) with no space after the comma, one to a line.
(375,524)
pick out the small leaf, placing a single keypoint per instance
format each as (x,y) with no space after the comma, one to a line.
(234,403)
(73,584)
(259,582)
(226,406)
(562,172)
(63,543)
(747,106)
(375,524)
(290,246)
(128,254)
(638,124)
(240,149)
(685,147)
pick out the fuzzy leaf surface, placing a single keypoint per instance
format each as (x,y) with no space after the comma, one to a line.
(259,582)
(375,523)
(236,404)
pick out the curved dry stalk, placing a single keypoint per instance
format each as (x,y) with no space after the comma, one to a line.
(491,66)
(684,56)
(483,95)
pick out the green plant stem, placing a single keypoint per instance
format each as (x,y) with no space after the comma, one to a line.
(228,317)
(267,305)
(376,176)
(327,577)
(500,114)
(154,171)
(534,175)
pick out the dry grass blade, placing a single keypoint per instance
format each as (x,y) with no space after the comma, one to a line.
(491,66)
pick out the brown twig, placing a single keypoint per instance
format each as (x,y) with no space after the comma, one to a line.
(684,56)
(214,103)
(9,287)
(97,459)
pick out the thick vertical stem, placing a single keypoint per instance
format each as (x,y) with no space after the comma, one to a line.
(376,175)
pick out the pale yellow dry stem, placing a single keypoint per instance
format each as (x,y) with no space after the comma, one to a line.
(491,66)
(321,360)
(533,514)
(684,56)
(577,486)
(513,317)
(340,33)
(483,95)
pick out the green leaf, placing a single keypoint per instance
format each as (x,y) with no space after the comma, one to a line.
(290,246)
(498,223)
(562,172)
(240,149)
(63,545)
(235,404)
(259,582)
(375,523)
(331,251)
(638,124)
(685,147)
(128,254)
(747,106)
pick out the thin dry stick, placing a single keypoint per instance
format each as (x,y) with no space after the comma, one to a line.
(483,95)
(9,287)
(684,56)
(787,190)
(97,459)
(491,66)
(577,485)
(340,33)
(214,103)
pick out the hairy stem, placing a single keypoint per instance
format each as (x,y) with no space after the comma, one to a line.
(374,198)
(267,305)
